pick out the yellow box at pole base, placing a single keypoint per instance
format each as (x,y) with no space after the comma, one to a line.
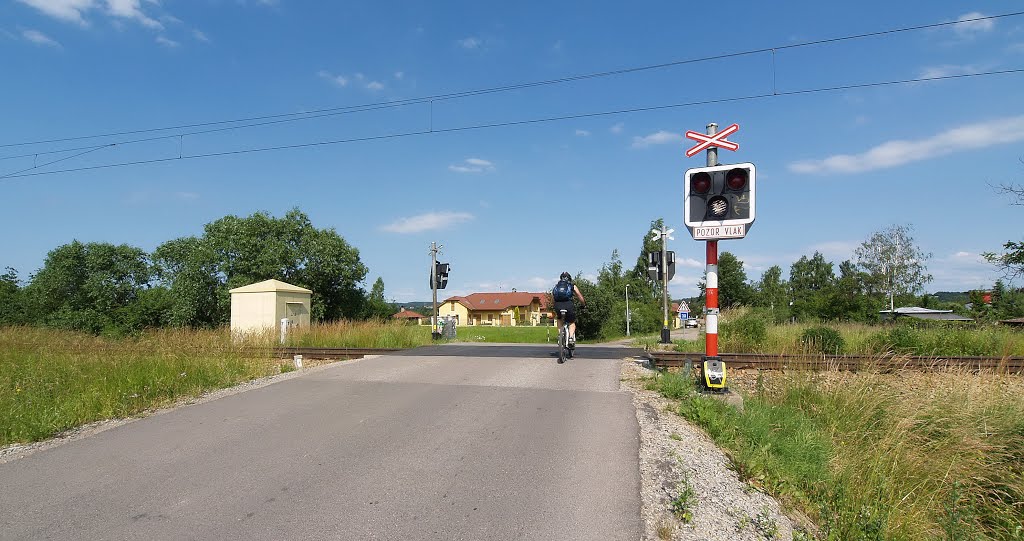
(714,374)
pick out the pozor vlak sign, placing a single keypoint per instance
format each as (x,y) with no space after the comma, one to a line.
(719,201)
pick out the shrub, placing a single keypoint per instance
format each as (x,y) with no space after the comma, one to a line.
(746,333)
(822,340)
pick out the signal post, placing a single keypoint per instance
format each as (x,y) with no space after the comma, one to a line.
(718,204)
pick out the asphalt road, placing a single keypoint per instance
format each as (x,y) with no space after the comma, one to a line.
(396,447)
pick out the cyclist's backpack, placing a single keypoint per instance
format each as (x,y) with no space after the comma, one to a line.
(562,291)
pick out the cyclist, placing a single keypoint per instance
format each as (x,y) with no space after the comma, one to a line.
(563,293)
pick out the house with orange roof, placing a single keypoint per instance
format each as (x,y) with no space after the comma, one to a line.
(409,315)
(497,309)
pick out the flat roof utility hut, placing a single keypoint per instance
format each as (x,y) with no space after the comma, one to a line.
(261,306)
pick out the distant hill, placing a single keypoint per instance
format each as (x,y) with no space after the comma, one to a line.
(952,296)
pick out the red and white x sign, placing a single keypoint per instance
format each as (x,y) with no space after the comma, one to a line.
(717,140)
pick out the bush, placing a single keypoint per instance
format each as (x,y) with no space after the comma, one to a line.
(746,333)
(823,340)
(900,339)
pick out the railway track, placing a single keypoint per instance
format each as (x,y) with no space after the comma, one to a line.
(331,353)
(1012,365)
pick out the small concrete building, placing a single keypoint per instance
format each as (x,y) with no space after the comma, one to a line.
(261,306)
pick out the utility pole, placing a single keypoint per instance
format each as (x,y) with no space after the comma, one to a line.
(665,234)
(627,309)
(434,250)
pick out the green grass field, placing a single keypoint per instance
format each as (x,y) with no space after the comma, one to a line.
(903,456)
(508,335)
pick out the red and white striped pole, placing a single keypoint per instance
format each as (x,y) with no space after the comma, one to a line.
(711,301)
(712,368)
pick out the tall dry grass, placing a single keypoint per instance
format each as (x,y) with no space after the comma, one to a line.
(903,456)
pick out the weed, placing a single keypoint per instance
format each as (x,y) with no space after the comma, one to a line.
(766,525)
(683,502)
(665,529)
(675,436)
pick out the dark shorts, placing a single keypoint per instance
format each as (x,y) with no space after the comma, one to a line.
(570,310)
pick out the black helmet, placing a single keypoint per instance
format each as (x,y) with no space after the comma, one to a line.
(565,276)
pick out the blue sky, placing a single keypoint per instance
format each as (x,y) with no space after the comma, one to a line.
(514,205)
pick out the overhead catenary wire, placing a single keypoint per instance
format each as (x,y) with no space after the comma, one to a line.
(435,131)
(319,113)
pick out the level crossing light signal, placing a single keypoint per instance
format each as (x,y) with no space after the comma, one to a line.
(440,276)
(719,201)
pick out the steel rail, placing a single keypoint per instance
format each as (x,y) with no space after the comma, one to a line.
(777,361)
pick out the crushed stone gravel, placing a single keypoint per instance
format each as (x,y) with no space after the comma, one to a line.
(677,457)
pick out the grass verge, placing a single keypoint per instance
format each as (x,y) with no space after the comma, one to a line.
(902,456)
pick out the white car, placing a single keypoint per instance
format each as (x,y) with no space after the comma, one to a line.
(690,323)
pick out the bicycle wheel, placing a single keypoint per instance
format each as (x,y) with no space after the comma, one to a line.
(561,345)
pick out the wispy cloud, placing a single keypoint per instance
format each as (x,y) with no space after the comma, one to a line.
(75,11)
(897,153)
(337,80)
(658,138)
(131,9)
(65,10)
(358,79)
(39,38)
(427,222)
(617,128)
(947,70)
(200,36)
(470,43)
(472,165)
(583,133)
(166,42)
(968,28)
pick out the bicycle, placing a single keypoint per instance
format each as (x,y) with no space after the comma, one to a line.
(564,351)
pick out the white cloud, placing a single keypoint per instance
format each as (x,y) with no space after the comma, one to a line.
(74,10)
(470,43)
(66,10)
(897,153)
(617,128)
(946,70)
(691,263)
(39,38)
(374,85)
(659,138)
(336,80)
(582,133)
(130,9)
(472,165)
(427,222)
(971,28)
(200,36)
(169,43)
(835,250)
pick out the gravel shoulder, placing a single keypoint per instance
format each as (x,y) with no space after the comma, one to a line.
(675,454)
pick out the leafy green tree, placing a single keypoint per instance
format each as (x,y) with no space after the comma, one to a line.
(12,309)
(733,289)
(1011,261)
(810,283)
(235,251)
(89,287)
(376,306)
(894,262)
(645,286)
(851,298)
(772,293)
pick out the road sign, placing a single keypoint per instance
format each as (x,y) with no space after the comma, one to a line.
(718,140)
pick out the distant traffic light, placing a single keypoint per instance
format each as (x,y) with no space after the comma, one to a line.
(718,202)
(440,276)
(655,270)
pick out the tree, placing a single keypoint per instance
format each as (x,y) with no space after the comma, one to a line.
(645,286)
(851,298)
(236,251)
(894,262)
(772,293)
(733,289)
(90,287)
(376,306)
(1011,261)
(12,309)
(810,283)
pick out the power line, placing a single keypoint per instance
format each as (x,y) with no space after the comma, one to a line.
(523,122)
(318,113)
